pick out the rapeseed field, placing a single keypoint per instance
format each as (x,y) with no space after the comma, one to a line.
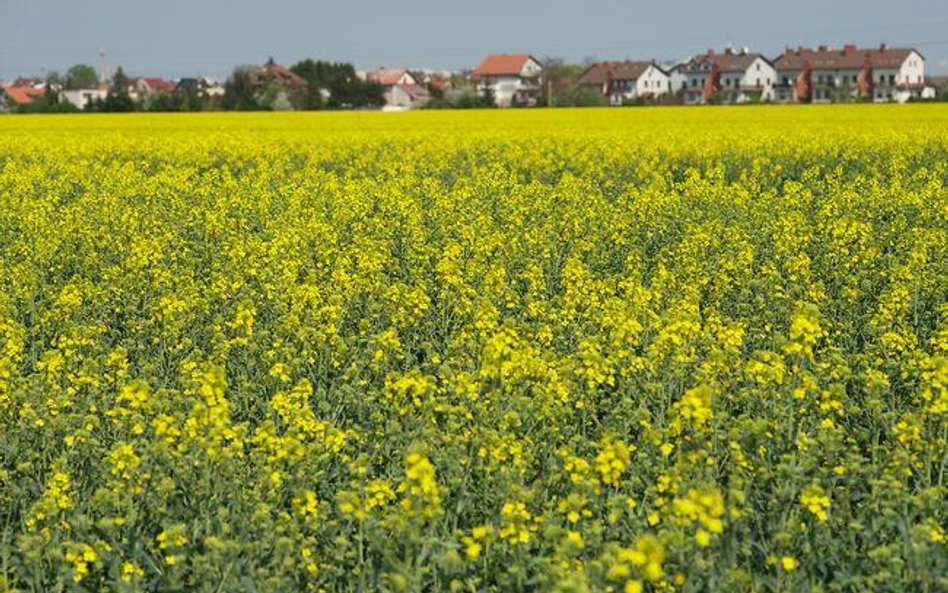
(625,350)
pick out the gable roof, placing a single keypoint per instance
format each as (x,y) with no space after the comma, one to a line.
(273,72)
(388,77)
(415,91)
(503,64)
(602,72)
(848,58)
(729,61)
(159,84)
(23,95)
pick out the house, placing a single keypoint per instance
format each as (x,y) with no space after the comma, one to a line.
(622,82)
(513,79)
(731,76)
(82,98)
(200,85)
(153,86)
(12,97)
(401,89)
(824,75)
(273,73)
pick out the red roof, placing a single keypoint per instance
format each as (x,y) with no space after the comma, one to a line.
(848,58)
(415,91)
(159,84)
(602,72)
(729,61)
(386,77)
(503,64)
(23,95)
(273,72)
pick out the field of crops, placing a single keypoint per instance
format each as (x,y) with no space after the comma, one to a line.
(626,350)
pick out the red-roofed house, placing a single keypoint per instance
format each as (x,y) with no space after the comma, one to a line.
(513,78)
(621,82)
(152,86)
(12,97)
(823,74)
(732,76)
(271,72)
(401,89)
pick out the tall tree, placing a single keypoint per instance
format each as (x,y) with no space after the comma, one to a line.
(314,74)
(486,96)
(119,81)
(118,98)
(238,91)
(81,76)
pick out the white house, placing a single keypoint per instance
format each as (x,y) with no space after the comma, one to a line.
(81,98)
(622,82)
(401,89)
(512,78)
(824,75)
(732,76)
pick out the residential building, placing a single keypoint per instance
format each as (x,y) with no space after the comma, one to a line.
(152,86)
(401,89)
(731,76)
(513,79)
(82,98)
(13,96)
(200,85)
(623,82)
(824,75)
(273,73)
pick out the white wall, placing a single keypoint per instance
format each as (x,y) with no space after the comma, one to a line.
(83,97)
(504,87)
(912,70)
(652,82)
(760,74)
(531,68)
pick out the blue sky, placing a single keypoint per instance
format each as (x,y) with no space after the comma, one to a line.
(188,37)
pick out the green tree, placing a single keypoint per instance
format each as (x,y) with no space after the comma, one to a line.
(119,82)
(486,96)
(346,90)
(118,99)
(314,73)
(559,81)
(238,91)
(81,76)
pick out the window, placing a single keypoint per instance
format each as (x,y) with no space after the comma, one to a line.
(758,66)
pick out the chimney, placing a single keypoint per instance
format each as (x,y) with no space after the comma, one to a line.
(823,48)
(882,47)
(848,48)
(745,50)
(727,51)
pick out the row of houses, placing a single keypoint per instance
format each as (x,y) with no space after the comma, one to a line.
(25,91)
(801,75)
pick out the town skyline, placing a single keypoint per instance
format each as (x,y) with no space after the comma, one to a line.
(180,40)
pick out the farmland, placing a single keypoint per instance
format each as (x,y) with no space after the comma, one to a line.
(576,350)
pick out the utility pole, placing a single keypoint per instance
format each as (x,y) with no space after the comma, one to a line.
(102,74)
